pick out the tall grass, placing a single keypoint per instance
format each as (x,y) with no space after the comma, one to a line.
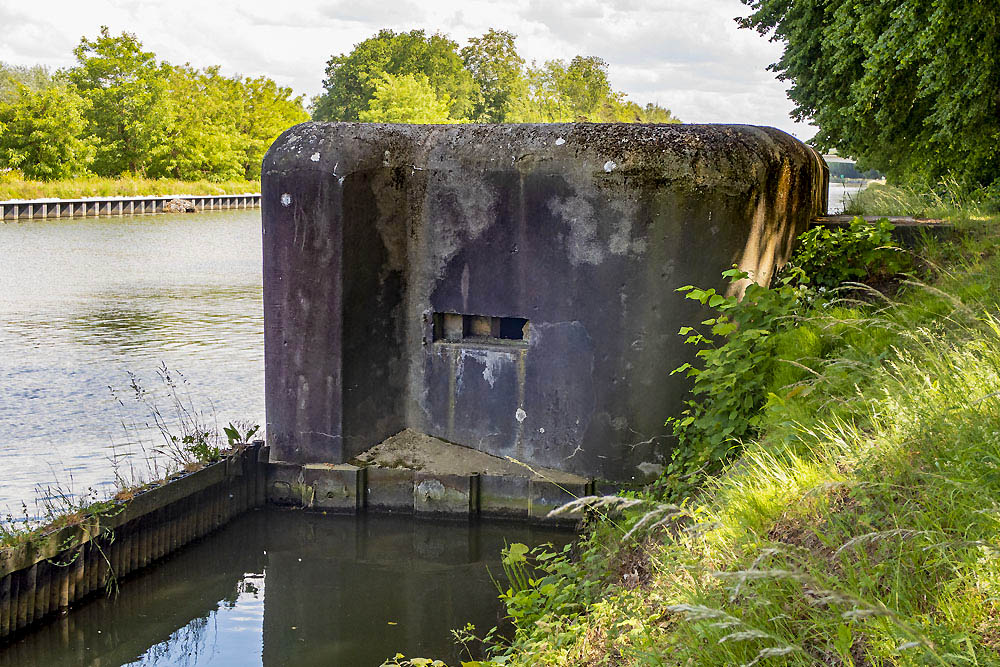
(12,186)
(948,200)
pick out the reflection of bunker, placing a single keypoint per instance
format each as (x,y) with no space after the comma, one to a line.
(509,288)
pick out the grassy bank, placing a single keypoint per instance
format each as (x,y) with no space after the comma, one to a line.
(75,188)
(859,525)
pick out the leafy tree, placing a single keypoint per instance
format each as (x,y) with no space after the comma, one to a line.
(351,78)
(267,110)
(126,89)
(40,133)
(201,140)
(630,112)
(33,77)
(407,98)
(908,87)
(220,127)
(581,91)
(497,71)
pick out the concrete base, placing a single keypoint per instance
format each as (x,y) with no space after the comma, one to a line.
(428,477)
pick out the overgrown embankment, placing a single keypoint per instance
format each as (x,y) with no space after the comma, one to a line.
(93,186)
(855,518)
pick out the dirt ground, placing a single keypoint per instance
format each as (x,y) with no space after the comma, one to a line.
(411,449)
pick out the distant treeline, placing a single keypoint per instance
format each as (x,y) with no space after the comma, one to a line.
(411,77)
(120,111)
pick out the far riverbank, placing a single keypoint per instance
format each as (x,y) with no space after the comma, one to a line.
(12,188)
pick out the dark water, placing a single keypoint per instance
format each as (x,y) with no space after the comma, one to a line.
(82,302)
(291,588)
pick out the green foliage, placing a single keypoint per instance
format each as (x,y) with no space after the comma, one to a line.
(352,78)
(497,70)
(580,91)
(735,356)
(407,98)
(200,444)
(220,127)
(240,434)
(40,133)
(15,77)
(120,111)
(860,252)
(947,200)
(125,88)
(906,86)
(485,82)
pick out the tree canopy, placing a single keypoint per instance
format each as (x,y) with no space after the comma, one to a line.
(352,78)
(487,81)
(908,87)
(120,110)
(407,98)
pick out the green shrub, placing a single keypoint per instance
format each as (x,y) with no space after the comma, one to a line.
(860,252)
(736,357)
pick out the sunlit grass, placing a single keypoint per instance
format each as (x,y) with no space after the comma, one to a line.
(13,187)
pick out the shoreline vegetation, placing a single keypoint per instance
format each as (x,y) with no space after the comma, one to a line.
(15,188)
(854,521)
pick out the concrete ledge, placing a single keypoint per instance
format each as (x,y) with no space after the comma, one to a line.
(390,490)
(336,488)
(504,497)
(348,489)
(449,495)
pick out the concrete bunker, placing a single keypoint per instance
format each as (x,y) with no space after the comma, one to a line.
(509,288)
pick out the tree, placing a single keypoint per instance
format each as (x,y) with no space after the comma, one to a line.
(40,133)
(126,89)
(581,91)
(908,87)
(267,110)
(351,78)
(201,140)
(407,98)
(14,77)
(498,72)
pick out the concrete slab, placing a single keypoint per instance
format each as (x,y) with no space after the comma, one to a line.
(335,488)
(505,497)
(285,484)
(389,490)
(445,495)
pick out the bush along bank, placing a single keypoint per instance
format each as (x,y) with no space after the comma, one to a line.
(836,496)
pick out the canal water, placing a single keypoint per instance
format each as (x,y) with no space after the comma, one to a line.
(83,303)
(292,588)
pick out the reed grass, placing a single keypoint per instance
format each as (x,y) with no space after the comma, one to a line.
(12,186)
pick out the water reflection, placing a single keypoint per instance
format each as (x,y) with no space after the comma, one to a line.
(281,588)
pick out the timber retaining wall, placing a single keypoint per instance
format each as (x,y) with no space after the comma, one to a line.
(113,206)
(48,574)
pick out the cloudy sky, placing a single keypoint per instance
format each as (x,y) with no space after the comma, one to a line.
(686,55)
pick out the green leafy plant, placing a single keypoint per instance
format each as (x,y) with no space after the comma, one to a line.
(735,357)
(861,251)
(240,432)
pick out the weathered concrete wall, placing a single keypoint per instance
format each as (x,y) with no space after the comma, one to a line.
(373,234)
